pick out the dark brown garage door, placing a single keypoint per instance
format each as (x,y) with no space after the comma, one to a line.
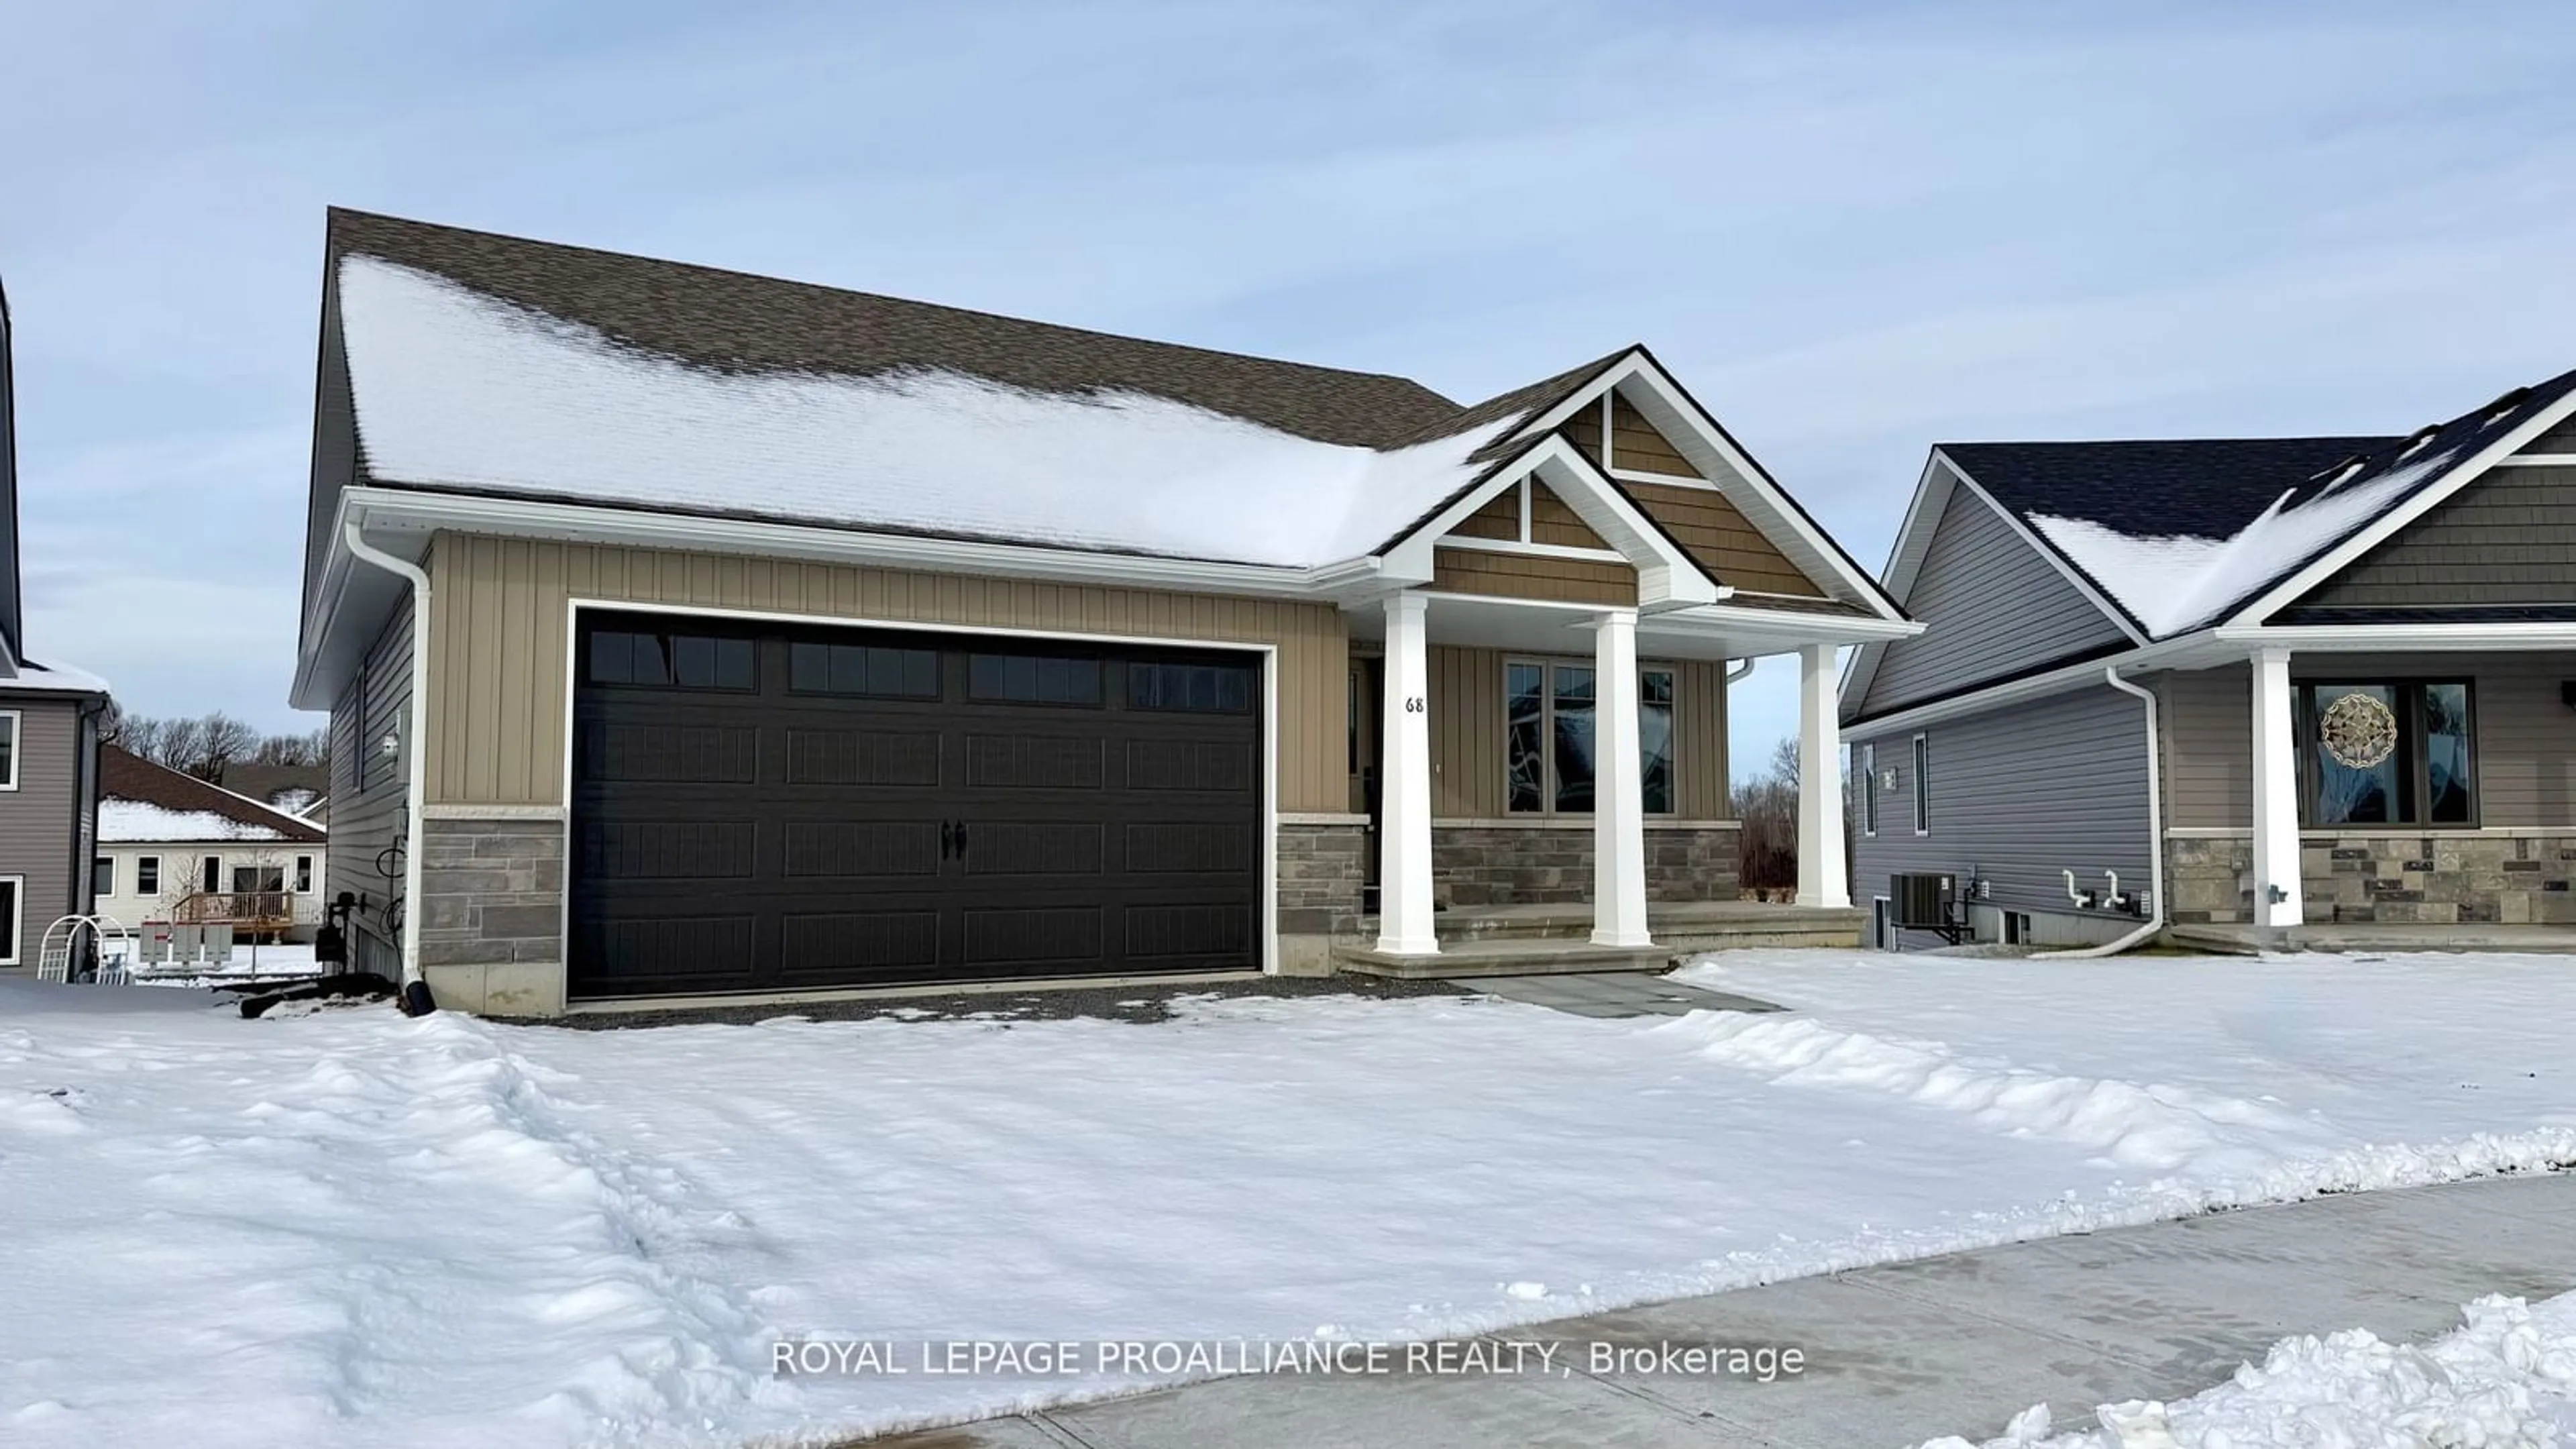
(761,809)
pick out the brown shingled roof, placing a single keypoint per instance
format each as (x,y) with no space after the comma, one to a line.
(126,776)
(739,322)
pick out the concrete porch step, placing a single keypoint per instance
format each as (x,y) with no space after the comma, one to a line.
(1683,925)
(1503,957)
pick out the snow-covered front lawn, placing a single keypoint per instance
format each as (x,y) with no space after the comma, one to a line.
(349,1228)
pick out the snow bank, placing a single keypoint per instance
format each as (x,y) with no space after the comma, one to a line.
(2506,1380)
(353,1229)
(455,387)
(2177,583)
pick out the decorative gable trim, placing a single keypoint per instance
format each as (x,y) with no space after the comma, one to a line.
(1641,381)
(1667,576)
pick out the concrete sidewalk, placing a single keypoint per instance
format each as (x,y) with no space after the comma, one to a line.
(1896,1355)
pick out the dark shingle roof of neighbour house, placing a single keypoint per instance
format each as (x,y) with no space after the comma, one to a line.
(2279,503)
(480,363)
(171,805)
(272,783)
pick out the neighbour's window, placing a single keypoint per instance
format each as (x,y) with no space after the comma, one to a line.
(1199,688)
(147,875)
(866,669)
(304,875)
(102,875)
(2386,753)
(1548,717)
(1922,784)
(1033,679)
(210,873)
(688,661)
(8,749)
(258,879)
(1869,789)
(11,887)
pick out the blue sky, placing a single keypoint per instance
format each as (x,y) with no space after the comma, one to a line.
(1854,230)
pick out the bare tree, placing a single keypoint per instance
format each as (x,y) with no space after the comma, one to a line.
(203,746)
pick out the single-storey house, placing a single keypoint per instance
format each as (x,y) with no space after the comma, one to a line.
(172,847)
(686,633)
(49,722)
(2238,686)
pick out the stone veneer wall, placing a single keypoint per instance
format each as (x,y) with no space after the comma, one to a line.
(2387,878)
(1496,865)
(491,914)
(1321,871)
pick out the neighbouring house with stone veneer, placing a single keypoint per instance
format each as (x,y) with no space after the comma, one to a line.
(688,633)
(2302,680)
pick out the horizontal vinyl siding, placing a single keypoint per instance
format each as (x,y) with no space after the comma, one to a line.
(368,786)
(1553,522)
(2524,751)
(1991,607)
(40,820)
(2560,440)
(2019,795)
(1634,443)
(1526,576)
(2507,538)
(499,669)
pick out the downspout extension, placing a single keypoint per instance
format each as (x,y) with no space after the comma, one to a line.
(2155,838)
(416,758)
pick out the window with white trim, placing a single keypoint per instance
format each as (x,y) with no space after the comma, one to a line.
(8,749)
(1922,784)
(1548,737)
(304,875)
(102,875)
(147,875)
(12,889)
(1869,789)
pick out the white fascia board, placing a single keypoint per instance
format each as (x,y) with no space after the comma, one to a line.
(2196,651)
(1904,558)
(2516,635)
(2379,530)
(1666,576)
(2102,602)
(1697,431)
(402,522)
(1783,628)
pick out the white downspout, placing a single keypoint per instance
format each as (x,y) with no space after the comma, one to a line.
(2155,921)
(416,761)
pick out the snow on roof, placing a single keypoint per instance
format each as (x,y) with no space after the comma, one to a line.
(2171,584)
(122,822)
(457,388)
(32,675)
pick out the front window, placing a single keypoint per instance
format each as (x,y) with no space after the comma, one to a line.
(2386,753)
(1548,737)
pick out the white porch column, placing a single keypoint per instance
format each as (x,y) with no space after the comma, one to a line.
(1404,899)
(1618,786)
(1823,880)
(2276,795)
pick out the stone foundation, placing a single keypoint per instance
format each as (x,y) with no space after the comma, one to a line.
(1321,870)
(490,915)
(2386,878)
(1500,865)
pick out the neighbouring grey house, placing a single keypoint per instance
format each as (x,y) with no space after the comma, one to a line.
(48,744)
(2233,686)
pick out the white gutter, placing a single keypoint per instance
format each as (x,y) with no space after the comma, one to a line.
(2155,921)
(2501,635)
(1743,669)
(416,761)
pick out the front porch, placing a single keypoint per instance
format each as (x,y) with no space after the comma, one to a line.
(1544,784)
(1530,940)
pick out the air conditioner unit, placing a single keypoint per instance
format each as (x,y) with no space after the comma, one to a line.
(1921,902)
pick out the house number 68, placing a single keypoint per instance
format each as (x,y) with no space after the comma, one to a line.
(1413,704)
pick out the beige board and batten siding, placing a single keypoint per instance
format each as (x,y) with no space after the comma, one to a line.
(40,819)
(1467,727)
(499,661)
(370,789)
(2526,773)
